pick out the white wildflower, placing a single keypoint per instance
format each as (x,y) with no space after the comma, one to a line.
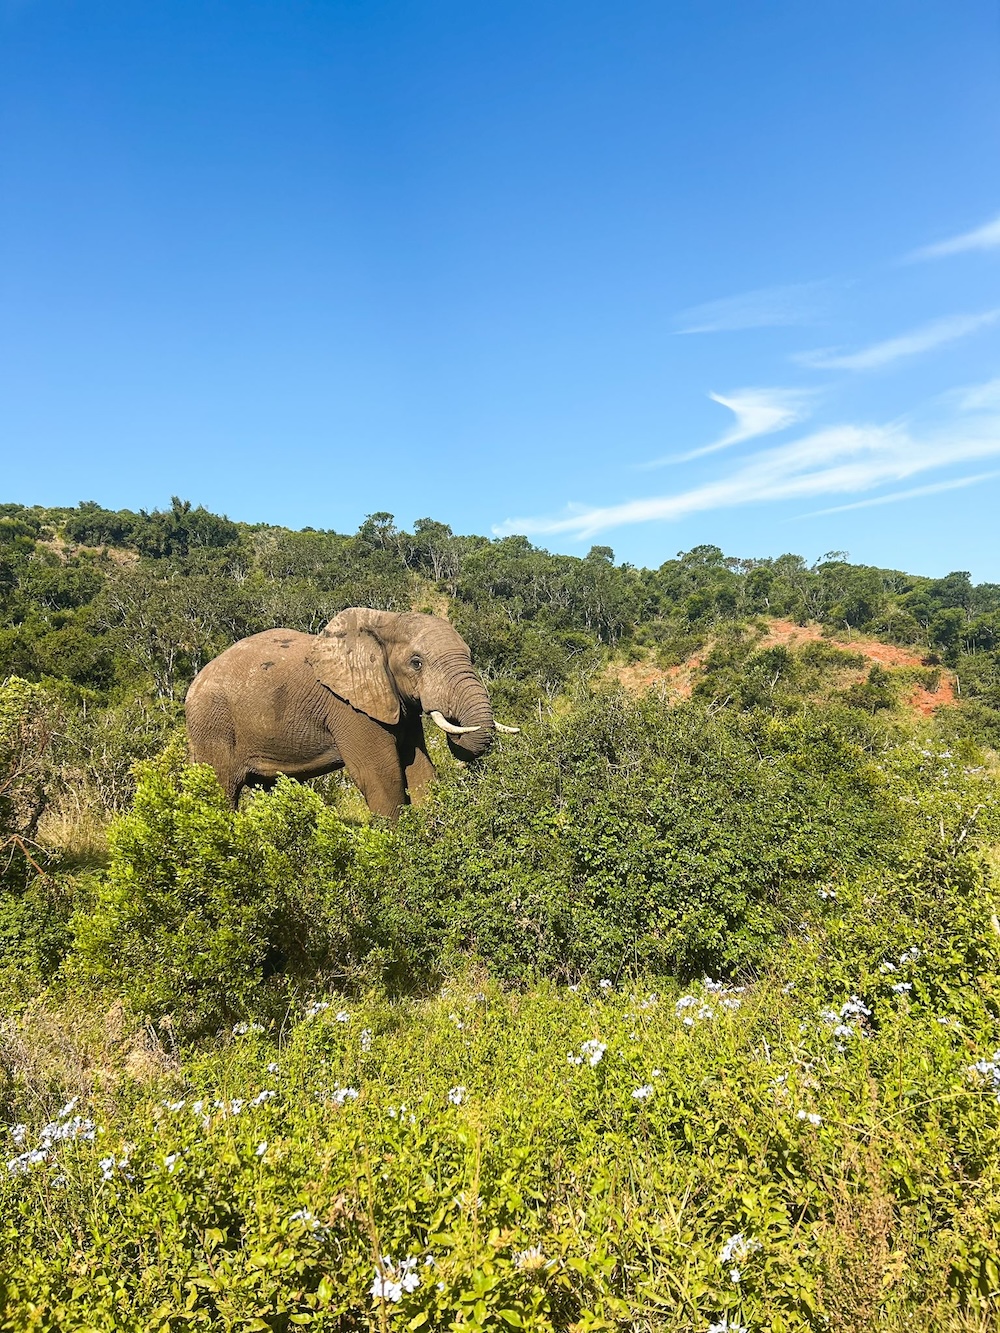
(261,1148)
(316,1007)
(594,1051)
(530,1260)
(737,1247)
(901,987)
(171,1160)
(640,1094)
(342,1095)
(457,1095)
(365,1040)
(811,1116)
(604,983)
(392,1280)
(342,1016)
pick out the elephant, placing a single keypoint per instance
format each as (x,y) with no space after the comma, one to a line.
(350,697)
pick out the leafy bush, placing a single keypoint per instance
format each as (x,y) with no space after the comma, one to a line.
(202,910)
(628,837)
(34,909)
(636,835)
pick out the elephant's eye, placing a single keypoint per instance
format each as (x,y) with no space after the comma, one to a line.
(416,663)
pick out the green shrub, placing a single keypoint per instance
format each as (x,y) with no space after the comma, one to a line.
(203,912)
(34,908)
(628,837)
(635,835)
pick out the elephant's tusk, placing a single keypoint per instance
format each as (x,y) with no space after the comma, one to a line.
(447,726)
(511,731)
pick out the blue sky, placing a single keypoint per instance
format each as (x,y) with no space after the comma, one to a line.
(647,275)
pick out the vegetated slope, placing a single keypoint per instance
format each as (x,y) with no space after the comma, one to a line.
(936,686)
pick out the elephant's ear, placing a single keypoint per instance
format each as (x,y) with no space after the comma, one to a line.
(350,660)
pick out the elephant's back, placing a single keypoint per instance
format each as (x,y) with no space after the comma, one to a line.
(264,661)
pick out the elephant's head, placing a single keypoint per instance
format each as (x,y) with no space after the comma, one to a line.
(386,664)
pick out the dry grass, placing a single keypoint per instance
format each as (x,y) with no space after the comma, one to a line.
(78,829)
(50,1054)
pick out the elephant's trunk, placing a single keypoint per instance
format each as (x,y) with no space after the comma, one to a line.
(469,706)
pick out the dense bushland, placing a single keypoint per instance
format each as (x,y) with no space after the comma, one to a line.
(471,1070)
(628,838)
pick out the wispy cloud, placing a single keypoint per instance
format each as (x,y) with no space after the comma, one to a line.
(842,460)
(766,307)
(986,237)
(980,398)
(921,339)
(757,412)
(956,483)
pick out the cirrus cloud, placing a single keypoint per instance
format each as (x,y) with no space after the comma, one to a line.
(922,339)
(840,460)
(986,237)
(764,307)
(757,412)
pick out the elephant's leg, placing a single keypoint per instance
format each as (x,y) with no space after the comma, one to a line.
(232,776)
(212,740)
(418,770)
(372,759)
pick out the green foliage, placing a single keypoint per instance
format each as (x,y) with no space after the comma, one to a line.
(832,1101)
(203,912)
(638,836)
(695,1158)
(33,911)
(630,836)
(164,591)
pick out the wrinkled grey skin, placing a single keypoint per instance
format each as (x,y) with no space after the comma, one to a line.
(350,697)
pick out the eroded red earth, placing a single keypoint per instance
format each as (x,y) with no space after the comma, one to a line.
(679,680)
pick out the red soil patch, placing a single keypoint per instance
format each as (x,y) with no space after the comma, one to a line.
(924,700)
(679,680)
(638,677)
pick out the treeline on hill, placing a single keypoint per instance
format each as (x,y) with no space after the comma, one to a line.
(113,602)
